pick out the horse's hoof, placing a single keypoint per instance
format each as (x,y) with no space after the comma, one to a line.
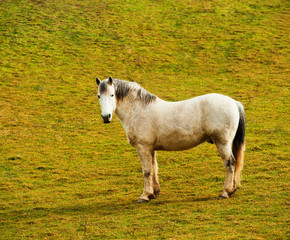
(156,193)
(232,193)
(142,200)
(223,195)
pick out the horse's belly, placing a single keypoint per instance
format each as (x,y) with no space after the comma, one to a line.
(179,142)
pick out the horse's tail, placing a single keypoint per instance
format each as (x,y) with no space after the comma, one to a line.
(239,145)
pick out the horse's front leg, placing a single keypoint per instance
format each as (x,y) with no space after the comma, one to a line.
(156,186)
(149,168)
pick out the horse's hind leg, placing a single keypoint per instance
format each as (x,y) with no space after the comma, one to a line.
(149,168)
(225,150)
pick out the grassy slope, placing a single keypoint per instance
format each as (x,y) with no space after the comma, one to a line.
(65,175)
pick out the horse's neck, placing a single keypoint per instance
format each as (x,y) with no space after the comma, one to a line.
(125,109)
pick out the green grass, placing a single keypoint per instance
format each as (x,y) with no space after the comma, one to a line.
(65,175)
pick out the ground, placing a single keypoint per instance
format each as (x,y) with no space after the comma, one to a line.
(66,175)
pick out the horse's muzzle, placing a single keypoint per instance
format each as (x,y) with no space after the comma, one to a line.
(107,118)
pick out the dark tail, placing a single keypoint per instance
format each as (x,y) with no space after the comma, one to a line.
(239,145)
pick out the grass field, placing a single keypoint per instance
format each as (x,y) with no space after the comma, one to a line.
(65,175)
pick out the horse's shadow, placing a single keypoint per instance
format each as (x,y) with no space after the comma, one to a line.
(111,207)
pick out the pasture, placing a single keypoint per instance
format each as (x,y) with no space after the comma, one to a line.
(66,175)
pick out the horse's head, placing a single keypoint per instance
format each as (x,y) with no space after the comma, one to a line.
(107,98)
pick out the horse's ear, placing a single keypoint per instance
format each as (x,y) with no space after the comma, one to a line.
(110,80)
(98,81)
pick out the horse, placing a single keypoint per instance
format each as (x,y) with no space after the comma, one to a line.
(152,124)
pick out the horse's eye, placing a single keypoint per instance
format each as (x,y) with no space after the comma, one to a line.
(98,96)
(112,95)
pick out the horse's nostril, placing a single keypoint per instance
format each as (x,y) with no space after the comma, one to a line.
(106,118)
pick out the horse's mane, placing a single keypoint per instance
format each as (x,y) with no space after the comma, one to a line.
(123,88)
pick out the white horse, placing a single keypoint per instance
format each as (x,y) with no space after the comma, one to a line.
(153,124)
